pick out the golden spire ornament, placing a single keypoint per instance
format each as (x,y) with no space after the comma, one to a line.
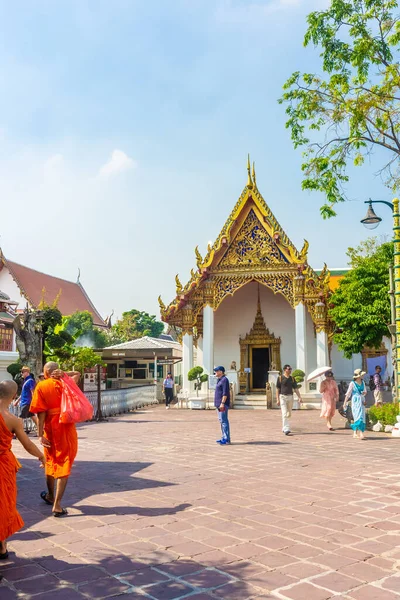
(253,174)
(249,180)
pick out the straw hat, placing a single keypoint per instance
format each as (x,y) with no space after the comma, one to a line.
(358,373)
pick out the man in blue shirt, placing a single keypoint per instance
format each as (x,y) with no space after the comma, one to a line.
(222,399)
(26,395)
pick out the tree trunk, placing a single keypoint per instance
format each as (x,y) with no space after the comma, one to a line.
(28,330)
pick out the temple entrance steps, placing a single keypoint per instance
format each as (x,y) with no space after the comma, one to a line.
(254,401)
(251,401)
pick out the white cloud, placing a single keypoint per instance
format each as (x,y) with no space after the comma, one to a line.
(54,163)
(118,163)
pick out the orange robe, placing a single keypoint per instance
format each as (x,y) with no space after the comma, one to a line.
(62,437)
(10,519)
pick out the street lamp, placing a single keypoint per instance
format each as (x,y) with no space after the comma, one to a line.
(371,221)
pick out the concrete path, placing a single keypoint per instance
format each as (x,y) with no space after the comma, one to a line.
(158,510)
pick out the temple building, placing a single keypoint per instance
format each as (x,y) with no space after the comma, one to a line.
(253,303)
(22,286)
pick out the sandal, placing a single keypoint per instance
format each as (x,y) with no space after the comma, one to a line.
(4,555)
(43,496)
(60,514)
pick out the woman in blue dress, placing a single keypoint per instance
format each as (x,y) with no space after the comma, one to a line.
(356,395)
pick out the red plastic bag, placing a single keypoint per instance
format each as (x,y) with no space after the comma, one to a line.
(75,407)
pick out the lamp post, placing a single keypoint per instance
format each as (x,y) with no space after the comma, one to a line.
(371,221)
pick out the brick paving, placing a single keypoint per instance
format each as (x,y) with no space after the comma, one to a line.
(158,510)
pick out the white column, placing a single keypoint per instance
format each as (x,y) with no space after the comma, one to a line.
(322,349)
(187,358)
(208,339)
(199,352)
(301,336)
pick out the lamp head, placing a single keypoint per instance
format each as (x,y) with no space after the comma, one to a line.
(371,220)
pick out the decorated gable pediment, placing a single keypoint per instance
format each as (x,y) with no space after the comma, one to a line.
(252,246)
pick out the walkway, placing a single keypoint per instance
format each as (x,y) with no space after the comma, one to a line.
(159,511)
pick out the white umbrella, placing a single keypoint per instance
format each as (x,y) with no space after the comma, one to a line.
(318,372)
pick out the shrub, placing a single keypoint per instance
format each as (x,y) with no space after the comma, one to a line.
(385,414)
(298,375)
(196,374)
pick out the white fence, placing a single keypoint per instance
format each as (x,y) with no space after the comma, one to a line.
(115,402)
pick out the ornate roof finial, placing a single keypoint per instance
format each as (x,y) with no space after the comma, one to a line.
(249,180)
(253,174)
(179,287)
(78,279)
(199,260)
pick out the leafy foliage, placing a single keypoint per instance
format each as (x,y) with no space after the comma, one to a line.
(14,369)
(298,375)
(341,116)
(91,336)
(360,305)
(135,324)
(196,374)
(385,414)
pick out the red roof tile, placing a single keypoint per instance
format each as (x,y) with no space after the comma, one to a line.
(72,298)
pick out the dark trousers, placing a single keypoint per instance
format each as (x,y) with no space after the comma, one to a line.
(169,395)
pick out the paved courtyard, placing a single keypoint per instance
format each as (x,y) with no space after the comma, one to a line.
(158,510)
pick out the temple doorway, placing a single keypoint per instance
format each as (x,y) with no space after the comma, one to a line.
(260,361)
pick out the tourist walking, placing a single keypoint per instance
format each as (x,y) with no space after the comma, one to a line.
(377,386)
(285,386)
(222,400)
(168,389)
(356,396)
(24,401)
(60,440)
(10,519)
(330,395)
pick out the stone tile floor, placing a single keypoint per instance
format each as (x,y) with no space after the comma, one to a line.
(158,510)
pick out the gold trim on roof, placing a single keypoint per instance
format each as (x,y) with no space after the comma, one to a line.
(252,246)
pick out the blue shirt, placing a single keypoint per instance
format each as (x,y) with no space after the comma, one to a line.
(168,383)
(222,389)
(27,391)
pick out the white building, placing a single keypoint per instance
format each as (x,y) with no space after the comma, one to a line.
(254,304)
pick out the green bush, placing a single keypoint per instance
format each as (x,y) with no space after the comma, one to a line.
(385,414)
(298,375)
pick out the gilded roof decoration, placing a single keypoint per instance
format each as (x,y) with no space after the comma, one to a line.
(252,246)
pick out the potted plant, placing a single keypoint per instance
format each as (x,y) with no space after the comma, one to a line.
(198,376)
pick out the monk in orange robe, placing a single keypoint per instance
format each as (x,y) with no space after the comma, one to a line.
(10,519)
(59,440)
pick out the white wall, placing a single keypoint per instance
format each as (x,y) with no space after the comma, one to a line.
(6,359)
(342,367)
(9,287)
(235,317)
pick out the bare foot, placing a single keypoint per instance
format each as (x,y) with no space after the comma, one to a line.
(3,547)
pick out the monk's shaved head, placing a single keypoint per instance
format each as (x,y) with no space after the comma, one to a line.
(8,389)
(49,368)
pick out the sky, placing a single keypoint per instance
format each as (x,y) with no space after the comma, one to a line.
(124,132)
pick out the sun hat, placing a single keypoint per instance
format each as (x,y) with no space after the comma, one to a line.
(358,373)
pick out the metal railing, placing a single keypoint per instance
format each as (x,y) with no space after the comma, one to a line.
(115,402)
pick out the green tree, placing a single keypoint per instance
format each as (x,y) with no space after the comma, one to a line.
(91,336)
(360,307)
(341,116)
(196,374)
(135,324)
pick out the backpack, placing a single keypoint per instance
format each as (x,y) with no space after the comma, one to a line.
(372,385)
